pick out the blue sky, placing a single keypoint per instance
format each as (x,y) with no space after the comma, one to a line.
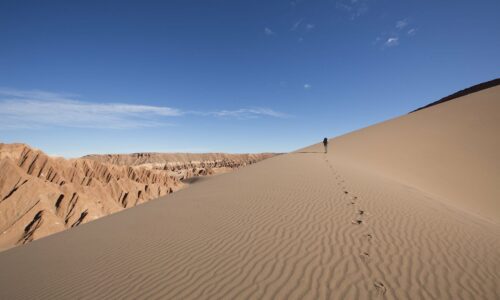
(231,76)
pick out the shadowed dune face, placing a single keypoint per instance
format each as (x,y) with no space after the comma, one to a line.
(297,226)
(450,151)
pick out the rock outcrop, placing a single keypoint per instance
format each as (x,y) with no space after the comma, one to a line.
(41,195)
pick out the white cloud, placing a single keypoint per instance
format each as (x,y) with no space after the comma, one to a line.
(37,109)
(268,31)
(401,32)
(401,24)
(391,42)
(307,86)
(310,26)
(412,32)
(245,113)
(28,109)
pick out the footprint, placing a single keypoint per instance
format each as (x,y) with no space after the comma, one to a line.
(346,192)
(365,257)
(368,236)
(357,222)
(355,197)
(361,212)
(381,289)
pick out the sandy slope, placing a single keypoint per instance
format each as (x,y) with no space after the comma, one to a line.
(299,226)
(451,150)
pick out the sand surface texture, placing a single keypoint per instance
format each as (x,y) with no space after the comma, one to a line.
(306,225)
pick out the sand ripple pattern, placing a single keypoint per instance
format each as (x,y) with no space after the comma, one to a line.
(298,226)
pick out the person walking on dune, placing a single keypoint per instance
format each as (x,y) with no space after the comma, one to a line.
(325,143)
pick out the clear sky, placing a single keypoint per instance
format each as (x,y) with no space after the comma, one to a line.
(79,77)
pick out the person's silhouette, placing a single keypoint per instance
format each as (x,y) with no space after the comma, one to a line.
(325,143)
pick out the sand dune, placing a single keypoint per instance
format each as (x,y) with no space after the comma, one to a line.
(304,225)
(450,151)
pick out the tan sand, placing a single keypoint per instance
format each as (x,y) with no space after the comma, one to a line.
(299,226)
(450,151)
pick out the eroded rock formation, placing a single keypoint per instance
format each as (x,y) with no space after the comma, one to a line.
(41,195)
(184,165)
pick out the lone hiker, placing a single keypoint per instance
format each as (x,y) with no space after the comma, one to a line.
(325,143)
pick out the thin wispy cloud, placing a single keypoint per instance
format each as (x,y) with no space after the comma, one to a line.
(268,31)
(39,109)
(396,34)
(353,8)
(392,42)
(245,113)
(31,109)
(307,86)
(296,25)
(302,29)
(401,24)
